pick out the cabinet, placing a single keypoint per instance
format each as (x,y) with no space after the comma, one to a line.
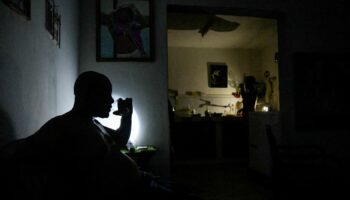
(259,151)
(209,138)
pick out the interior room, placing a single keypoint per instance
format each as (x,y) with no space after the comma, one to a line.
(296,51)
(244,46)
(248,50)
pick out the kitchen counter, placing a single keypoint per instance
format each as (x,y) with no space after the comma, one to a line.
(207,119)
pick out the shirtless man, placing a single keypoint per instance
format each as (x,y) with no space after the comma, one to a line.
(82,144)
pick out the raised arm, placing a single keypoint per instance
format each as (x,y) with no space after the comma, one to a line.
(121,136)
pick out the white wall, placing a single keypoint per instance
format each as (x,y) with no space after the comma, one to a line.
(268,63)
(188,67)
(187,71)
(36,77)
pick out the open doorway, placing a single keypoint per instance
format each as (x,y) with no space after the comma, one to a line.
(210,52)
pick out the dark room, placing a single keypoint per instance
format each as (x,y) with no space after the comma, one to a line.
(174,99)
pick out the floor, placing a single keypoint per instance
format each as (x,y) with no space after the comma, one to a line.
(233,180)
(222,181)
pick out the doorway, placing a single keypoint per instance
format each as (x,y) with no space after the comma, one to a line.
(209,44)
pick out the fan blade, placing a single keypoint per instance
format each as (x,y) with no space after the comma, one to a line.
(184,21)
(222,25)
(204,30)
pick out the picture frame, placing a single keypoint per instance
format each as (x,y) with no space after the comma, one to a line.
(22,7)
(124,30)
(53,21)
(217,75)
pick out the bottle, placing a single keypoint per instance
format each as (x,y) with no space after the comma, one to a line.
(130,147)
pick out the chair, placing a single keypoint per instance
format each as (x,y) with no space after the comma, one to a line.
(296,169)
(23,175)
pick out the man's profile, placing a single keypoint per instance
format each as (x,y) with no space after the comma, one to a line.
(81,158)
(78,142)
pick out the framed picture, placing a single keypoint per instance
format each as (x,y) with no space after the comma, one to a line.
(217,75)
(321,90)
(53,21)
(124,30)
(22,7)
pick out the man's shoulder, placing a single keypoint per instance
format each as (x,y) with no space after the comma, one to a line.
(58,122)
(55,120)
(49,131)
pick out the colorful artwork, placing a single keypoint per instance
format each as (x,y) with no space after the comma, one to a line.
(124,30)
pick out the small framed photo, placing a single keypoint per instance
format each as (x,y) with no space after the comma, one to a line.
(124,30)
(217,75)
(53,21)
(22,7)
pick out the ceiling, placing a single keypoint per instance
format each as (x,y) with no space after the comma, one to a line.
(252,33)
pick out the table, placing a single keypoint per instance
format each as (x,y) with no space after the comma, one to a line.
(198,138)
(141,155)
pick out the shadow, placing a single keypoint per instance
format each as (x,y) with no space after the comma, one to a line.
(7,131)
(9,70)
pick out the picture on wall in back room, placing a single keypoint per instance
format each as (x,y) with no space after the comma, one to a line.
(22,7)
(124,30)
(217,75)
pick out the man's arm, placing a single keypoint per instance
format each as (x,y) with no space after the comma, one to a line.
(121,136)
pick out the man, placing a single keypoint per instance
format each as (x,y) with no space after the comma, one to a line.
(74,156)
(249,94)
(82,148)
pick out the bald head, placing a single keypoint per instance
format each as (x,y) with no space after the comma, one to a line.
(89,82)
(92,92)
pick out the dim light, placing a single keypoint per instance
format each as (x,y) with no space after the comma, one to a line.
(113,122)
(265,109)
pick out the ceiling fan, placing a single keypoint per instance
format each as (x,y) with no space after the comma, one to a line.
(201,22)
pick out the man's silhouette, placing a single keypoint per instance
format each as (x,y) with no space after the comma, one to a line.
(80,146)
(81,158)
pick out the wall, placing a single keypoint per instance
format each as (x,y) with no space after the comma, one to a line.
(188,67)
(36,77)
(145,82)
(268,63)
(187,71)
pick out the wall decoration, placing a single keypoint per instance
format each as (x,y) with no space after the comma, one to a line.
(321,91)
(124,30)
(53,21)
(217,75)
(22,7)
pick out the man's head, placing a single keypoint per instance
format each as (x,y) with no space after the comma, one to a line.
(92,92)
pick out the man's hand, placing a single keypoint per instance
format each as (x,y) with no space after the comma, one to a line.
(125,107)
